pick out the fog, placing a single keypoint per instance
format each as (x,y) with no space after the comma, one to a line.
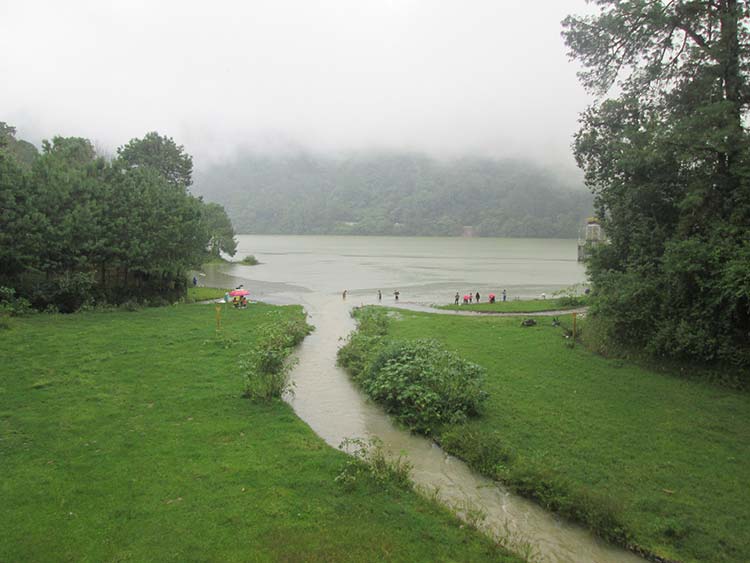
(484,78)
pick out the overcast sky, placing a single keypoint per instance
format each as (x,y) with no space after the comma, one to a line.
(445,77)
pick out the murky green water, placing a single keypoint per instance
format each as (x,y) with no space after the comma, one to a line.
(314,271)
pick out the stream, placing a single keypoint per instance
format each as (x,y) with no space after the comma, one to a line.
(327,400)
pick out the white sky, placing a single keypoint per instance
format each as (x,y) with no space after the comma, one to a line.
(445,77)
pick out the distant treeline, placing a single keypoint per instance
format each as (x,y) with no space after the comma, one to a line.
(76,227)
(394,194)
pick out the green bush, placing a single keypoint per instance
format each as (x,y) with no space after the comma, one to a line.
(596,510)
(484,451)
(424,385)
(370,460)
(266,367)
(357,353)
(12,305)
(250,260)
(371,320)
(67,292)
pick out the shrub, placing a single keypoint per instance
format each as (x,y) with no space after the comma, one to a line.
(358,352)
(12,305)
(483,450)
(424,385)
(130,305)
(249,260)
(598,511)
(369,459)
(67,292)
(571,296)
(266,367)
(371,320)
(421,383)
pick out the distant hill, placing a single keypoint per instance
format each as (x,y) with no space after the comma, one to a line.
(394,194)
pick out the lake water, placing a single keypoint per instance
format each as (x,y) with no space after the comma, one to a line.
(313,271)
(424,269)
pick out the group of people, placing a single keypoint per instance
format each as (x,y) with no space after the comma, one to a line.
(239,302)
(475,297)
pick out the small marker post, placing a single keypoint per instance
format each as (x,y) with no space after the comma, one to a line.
(218,318)
(574,328)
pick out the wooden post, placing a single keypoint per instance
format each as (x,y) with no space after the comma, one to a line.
(218,318)
(574,328)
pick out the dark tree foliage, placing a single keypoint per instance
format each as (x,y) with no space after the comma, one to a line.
(76,228)
(668,164)
(220,229)
(22,151)
(394,194)
(162,154)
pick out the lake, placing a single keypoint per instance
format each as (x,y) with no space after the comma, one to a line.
(424,269)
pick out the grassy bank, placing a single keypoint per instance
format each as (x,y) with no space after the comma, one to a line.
(205,293)
(124,437)
(644,459)
(518,306)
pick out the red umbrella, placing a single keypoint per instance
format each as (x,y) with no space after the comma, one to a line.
(238,292)
(492,295)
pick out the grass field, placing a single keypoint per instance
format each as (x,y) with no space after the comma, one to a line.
(516,306)
(123,436)
(204,293)
(669,457)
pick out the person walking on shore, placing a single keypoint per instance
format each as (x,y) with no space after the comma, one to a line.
(457,298)
(477,297)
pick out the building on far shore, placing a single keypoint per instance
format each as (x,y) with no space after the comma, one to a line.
(592,236)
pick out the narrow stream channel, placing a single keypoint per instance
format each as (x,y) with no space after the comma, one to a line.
(335,409)
(327,400)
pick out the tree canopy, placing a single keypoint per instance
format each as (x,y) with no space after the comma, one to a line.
(162,154)
(75,227)
(667,161)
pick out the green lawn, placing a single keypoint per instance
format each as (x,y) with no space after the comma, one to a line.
(517,306)
(670,456)
(200,293)
(123,436)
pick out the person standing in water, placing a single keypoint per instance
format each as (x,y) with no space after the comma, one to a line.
(396,294)
(343,295)
(380,296)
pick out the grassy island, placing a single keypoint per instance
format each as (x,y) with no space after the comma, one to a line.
(124,436)
(520,306)
(645,459)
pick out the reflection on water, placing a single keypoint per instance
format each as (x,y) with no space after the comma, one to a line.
(313,271)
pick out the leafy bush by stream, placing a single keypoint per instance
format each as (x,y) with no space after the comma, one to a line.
(423,385)
(434,391)
(266,367)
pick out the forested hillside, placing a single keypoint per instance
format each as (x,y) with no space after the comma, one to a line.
(394,194)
